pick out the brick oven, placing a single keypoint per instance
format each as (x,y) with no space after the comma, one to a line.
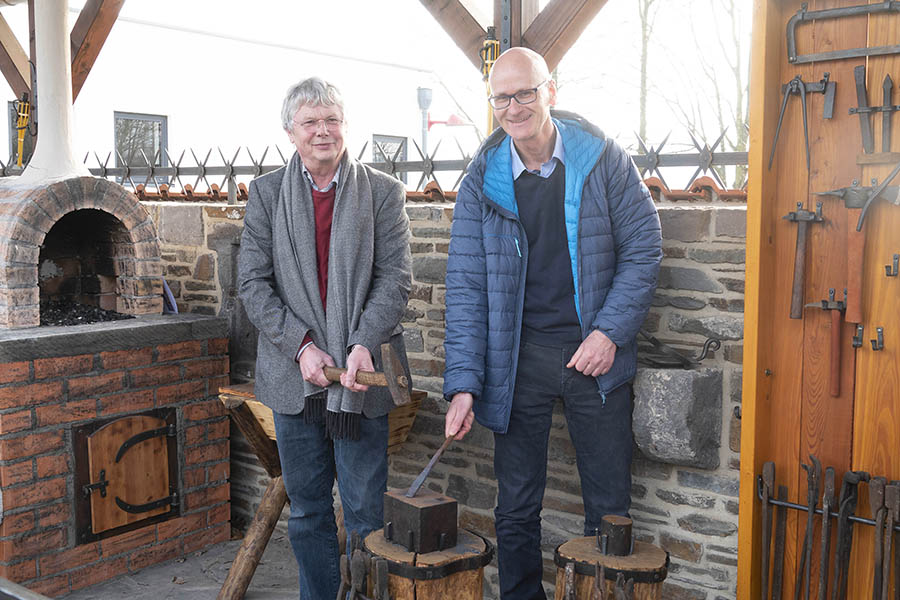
(84,240)
(114,447)
(60,386)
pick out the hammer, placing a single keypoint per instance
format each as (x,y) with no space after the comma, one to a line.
(394,377)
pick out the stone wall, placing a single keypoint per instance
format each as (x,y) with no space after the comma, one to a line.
(691,511)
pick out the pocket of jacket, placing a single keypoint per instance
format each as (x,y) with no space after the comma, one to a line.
(503,244)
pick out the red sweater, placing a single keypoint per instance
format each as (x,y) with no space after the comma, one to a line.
(323,206)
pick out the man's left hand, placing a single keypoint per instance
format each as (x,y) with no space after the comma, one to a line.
(594,356)
(359,359)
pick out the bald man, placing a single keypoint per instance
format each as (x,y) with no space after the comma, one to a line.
(554,255)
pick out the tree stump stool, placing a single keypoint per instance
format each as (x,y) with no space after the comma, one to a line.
(647,565)
(256,423)
(456,572)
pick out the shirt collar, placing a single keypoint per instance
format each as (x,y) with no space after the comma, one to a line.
(334,180)
(559,153)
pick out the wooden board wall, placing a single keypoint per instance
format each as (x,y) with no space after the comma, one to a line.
(788,411)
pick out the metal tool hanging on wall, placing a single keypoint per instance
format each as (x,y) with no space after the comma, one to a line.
(803,218)
(887,108)
(797,86)
(884,510)
(857,196)
(807,16)
(863,110)
(858,199)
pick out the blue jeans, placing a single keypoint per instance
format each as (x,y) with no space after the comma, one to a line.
(601,434)
(309,463)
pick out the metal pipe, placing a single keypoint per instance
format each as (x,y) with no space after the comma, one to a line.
(54,158)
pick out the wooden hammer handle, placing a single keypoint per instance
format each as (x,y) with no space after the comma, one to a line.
(362,377)
(799,272)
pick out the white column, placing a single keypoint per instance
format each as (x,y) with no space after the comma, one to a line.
(54,158)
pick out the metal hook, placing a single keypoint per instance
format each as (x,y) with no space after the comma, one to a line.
(858,338)
(878,342)
(892,269)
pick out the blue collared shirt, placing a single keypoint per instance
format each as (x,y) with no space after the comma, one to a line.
(559,153)
(334,180)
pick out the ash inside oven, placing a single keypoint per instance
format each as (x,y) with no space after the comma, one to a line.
(73,313)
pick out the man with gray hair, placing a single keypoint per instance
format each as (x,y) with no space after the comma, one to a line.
(324,274)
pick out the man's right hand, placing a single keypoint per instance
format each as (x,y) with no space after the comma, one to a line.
(312,361)
(459,416)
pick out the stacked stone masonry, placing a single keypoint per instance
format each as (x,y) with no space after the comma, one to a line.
(688,510)
(41,399)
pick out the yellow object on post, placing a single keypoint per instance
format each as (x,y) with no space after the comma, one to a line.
(490,51)
(23,111)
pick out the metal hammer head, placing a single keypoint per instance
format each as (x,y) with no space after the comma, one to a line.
(396,375)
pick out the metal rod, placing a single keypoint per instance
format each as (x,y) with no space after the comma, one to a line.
(804,507)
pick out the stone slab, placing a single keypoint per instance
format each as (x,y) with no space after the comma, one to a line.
(140,332)
(678,415)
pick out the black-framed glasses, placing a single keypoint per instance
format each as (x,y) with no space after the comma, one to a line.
(522,96)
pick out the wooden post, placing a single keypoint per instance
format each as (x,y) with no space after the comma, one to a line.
(255,541)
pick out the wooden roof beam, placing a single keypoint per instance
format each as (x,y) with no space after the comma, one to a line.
(521,12)
(460,25)
(558,26)
(88,36)
(14,61)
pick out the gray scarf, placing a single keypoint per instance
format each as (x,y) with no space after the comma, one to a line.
(349,274)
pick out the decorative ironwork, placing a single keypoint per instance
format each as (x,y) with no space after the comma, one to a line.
(229,177)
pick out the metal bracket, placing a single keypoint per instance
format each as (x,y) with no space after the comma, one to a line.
(505,25)
(892,269)
(806,16)
(99,485)
(857,340)
(878,342)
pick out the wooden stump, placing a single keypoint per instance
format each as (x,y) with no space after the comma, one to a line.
(456,572)
(647,565)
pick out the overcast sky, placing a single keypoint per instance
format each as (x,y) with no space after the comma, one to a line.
(379,52)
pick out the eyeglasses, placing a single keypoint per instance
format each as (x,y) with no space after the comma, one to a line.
(522,97)
(312,125)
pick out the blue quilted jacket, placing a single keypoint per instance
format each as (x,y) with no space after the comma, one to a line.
(614,244)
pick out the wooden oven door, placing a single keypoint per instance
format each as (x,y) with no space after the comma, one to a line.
(128,461)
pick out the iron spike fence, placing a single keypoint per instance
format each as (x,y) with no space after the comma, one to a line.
(244,166)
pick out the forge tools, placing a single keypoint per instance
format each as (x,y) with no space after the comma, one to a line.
(814,475)
(802,218)
(884,508)
(858,200)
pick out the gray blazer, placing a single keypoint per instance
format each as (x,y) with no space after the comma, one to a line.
(369,280)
